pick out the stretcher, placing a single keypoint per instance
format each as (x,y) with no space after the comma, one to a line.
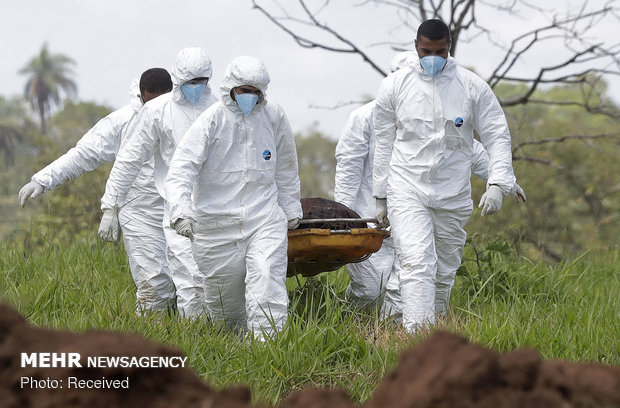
(319,248)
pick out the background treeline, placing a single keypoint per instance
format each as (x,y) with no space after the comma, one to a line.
(565,157)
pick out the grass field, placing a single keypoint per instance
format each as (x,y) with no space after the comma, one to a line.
(568,311)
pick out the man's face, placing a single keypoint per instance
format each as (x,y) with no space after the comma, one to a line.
(196,81)
(147,96)
(426,47)
(246,89)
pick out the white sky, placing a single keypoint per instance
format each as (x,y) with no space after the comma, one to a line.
(113,41)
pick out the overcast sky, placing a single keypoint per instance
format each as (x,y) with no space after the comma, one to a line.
(113,41)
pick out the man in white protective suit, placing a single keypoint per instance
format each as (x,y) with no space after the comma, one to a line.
(159,127)
(375,280)
(424,122)
(239,161)
(353,188)
(141,212)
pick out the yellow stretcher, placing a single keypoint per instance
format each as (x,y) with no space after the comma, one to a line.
(315,250)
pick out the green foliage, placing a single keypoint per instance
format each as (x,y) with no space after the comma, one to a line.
(480,260)
(566,160)
(73,207)
(317,164)
(14,125)
(16,132)
(564,311)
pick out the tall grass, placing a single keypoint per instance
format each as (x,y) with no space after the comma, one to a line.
(567,311)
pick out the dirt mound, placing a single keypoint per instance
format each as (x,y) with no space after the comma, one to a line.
(447,371)
(315,208)
(317,398)
(444,371)
(147,387)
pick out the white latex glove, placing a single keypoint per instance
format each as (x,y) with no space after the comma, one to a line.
(491,201)
(381,212)
(30,190)
(518,193)
(108,228)
(185,227)
(293,223)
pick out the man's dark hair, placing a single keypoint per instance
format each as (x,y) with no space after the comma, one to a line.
(433,30)
(155,80)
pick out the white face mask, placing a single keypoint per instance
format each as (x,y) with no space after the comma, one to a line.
(246,102)
(432,64)
(192,91)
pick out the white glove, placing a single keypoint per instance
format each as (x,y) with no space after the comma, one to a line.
(491,201)
(518,193)
(185,227)
(381,212)
(293,223)
(30,190)
(108,228)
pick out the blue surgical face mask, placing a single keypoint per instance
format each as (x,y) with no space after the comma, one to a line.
(192,91)
(246,102)
(432,64)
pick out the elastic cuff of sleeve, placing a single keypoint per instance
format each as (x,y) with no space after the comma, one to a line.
(180,216)
(107,206)
(45,187)
(504,192)
(291,215)
(114,209)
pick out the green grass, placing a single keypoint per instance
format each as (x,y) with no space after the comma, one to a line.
(567,311)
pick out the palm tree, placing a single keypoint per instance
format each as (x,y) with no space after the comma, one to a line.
(47,75)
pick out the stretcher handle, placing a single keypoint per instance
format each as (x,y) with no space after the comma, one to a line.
(324,220)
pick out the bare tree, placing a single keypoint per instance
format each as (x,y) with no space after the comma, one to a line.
(579,166)
(585,59)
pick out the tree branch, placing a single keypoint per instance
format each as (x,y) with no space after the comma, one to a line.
(308,43)
(562,139)
(539,161)
(534,38)
(600,109)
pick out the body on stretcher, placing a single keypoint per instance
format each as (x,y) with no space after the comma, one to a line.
(315,250)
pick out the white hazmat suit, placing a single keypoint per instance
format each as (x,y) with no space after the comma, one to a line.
(353,187)
(242,171)
(424,128)
(391,305)
(159,127)
(140,212)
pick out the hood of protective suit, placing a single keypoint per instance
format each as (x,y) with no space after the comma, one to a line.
(244,71)
(191,63)
(134,92)
(403,59)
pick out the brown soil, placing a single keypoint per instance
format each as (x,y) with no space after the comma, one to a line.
(447,371)
(316,207)
(311,397)
(148,387)
(444,371)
